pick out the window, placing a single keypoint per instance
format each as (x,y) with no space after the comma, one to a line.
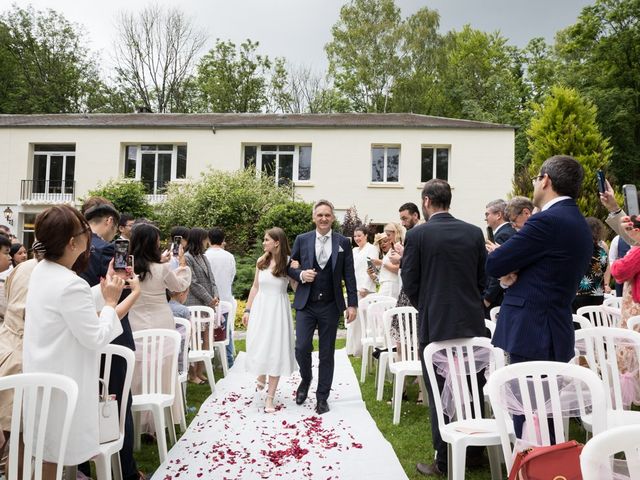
(385,164)
(28,226)
(286,163)
(53,168)
(155,165)
(435,163)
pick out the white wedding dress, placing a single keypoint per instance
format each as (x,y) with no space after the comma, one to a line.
(270,343)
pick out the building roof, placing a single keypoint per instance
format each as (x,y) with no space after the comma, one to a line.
(241,120)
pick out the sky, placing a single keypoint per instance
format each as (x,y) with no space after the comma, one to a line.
(299,29)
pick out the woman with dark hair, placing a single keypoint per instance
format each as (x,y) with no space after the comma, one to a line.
(63,333)
(270,347)
(591,287)
(152,310)
(203,290)
(18,254)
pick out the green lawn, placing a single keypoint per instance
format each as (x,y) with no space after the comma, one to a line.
(411,439)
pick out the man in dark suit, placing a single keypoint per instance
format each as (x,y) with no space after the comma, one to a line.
(502,230)
(542,264)
(104,219)
(326,260)
(443,276)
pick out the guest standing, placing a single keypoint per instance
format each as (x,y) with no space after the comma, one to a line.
(591,287)
(268,317)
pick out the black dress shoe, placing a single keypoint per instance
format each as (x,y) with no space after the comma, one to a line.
(301,393)
(432,470)
(322,407)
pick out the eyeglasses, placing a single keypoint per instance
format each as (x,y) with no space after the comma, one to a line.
(537,177)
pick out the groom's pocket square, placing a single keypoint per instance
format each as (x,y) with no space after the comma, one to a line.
(340,249)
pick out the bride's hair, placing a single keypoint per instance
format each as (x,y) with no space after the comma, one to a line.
(281,256)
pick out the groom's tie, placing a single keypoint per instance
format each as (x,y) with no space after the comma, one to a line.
(322,256)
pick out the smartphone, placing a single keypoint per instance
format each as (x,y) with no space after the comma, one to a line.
(176,245)
(490,234)
(630,200)
(602,186)
(122,251)
(370,264)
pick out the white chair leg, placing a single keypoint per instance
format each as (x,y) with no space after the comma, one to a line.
(209,368)
(161,438)
(456,461)
(136,431)
(168,415)
(223,360)
(382,374)
(494,453)
(103,467)
(365,358)
(397,398)
(116,466)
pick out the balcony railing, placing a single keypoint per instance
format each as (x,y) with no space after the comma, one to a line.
(47,191)
(156,191)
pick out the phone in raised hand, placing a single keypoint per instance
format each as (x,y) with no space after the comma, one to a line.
(602,185)
(631,203)
(120,257)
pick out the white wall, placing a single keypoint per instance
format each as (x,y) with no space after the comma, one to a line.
(480,170)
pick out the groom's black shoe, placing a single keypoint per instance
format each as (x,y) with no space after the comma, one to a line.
(301,393)
(322,407)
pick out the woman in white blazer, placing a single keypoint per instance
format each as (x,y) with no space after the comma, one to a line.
(63,332)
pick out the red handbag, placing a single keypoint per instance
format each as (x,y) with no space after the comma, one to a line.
(220,334)
(556,462)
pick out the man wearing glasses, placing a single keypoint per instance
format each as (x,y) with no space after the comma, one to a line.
(544,261)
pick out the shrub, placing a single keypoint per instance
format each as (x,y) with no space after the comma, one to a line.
(245,271)
(293,217)
(127,196)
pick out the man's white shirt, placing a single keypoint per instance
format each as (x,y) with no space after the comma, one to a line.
(223,266)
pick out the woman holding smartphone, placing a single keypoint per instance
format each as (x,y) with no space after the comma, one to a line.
(363,255)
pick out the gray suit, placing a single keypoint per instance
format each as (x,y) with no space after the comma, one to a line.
(203,285)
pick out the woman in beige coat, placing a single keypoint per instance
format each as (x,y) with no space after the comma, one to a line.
(152,309)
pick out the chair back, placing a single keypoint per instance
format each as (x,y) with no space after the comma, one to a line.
(363,305)
(234,312)
(108,352)
(460,361)
(201,318)
(633,323)
(184,359)
(596,457)
(375,313)
(542,387)
(32,395)
(493,314)
(598,316)
(491,326)
(613,302)
(222,308)
(155,345)
(601,346)
(408,333)
(582,321)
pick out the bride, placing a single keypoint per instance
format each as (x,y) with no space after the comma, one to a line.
(270,342)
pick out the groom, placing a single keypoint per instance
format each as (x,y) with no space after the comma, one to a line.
(326,259)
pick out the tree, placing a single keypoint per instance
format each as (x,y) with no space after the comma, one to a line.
(293,217)
(565,124)
(155,54)
(44,65)
(127,195)
(364,53)
(234,79)
(231,200)
(600,57)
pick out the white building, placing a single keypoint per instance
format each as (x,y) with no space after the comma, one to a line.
(373,161)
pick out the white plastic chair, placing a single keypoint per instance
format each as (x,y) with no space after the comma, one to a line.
(534,378)
(183,375)
(491,326)
(221,345)
(408,363)
(158,348)
(109,456)
(203,318)
(598,316)
(369,339)
(35,390)
(375,313)
(493,314)
(613,302)
(596,456)
(633,323)
(468,427)
(599,345)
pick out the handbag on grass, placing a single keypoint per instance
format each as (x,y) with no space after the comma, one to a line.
(556,462)
(108,416)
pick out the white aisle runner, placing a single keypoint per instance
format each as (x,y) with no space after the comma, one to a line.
(231,436)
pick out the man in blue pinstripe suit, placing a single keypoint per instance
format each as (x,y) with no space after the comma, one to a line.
(547,258)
